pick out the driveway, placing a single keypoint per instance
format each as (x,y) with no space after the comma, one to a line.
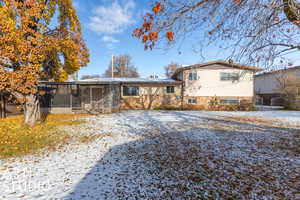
(167,155)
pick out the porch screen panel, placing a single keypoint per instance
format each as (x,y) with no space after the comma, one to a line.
(85,94)
(61,96)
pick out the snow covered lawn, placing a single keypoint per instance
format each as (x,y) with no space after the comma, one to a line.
(167,155)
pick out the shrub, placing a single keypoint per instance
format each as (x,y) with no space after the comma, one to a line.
(168,108)
(244,105)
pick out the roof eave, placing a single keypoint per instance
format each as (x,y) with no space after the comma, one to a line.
(234,65)
(153,82)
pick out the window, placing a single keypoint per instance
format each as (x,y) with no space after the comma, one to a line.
(229,101)
(192,101)
(130,91)
(193,76)
(170,89)
(225,76)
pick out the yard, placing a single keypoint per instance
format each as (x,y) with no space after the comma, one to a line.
(166,155)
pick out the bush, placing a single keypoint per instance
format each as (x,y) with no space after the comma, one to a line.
(214,105)
(167,108)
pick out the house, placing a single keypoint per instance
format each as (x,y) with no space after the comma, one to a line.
(106,95)
(80,96)
(191,87)
(153,93)
(218,82)
(273,88)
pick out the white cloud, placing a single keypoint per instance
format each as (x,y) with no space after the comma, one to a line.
(110,39)
(112,19)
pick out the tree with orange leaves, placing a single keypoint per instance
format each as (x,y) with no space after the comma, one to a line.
(33,49)
(256,32)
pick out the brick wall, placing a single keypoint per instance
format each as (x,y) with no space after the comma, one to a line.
(150,102)
(153,97)
(203,103)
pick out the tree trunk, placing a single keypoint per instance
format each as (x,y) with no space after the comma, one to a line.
(2,106)
(32,109)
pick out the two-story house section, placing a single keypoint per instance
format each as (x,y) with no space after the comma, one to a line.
(228,82)
(271,86)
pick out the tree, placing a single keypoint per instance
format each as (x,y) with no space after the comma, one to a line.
(288,85)
(171,68)
(257,32)
(85,77)
(123,67)
(33,48)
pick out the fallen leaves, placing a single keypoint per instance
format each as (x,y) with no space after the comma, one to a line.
(18,139)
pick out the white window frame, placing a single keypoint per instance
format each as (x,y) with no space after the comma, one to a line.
(172,91)
(193,76)
(131,86)
(229,101)
(192,101)
(229,76)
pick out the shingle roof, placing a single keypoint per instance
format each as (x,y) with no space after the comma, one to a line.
(221,62)
(280,70)
(128,80)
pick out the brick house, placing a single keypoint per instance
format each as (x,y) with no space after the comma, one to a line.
(225,82)
(191,87)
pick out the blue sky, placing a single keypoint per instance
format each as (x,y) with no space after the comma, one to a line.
(107,28)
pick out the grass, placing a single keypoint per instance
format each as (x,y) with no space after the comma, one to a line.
(17,139)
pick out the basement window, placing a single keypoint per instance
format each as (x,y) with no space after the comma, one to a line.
(170,89)
(131,90)
(192,101)
(229,101)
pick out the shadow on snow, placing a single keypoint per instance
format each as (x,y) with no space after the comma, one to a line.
(194,163)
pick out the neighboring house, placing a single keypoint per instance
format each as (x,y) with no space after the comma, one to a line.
(191,87)
(271,87)
(228,83)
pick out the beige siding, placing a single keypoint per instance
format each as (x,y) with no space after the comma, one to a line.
(269,83)
(266,84)
(210,84)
